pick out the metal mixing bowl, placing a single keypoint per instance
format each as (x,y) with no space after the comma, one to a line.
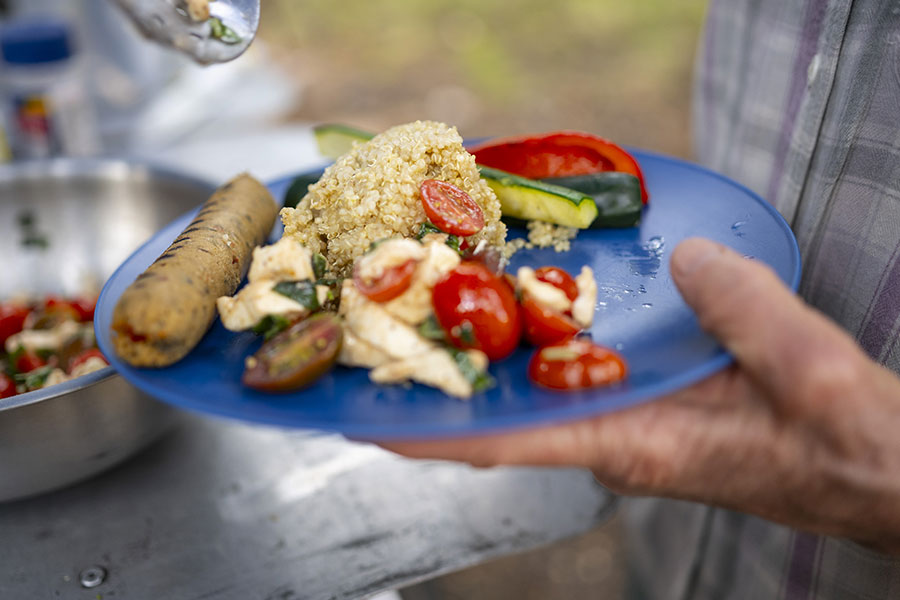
(91,214)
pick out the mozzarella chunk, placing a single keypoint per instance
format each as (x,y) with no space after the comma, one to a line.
(94,363)
(583,306)
(374,325)
(285,260)
(387,254)
(43,339)
(435,368)
(414,305)
(543,293)
(255,301)
(357,353)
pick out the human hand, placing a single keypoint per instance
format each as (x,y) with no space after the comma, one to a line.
(801,430)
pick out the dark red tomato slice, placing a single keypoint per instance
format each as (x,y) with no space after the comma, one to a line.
(393,281)
(29,361)
(7,386)
(544,325)
(296,357)
(478,309)
(12,320)
(560,279)
(576,365)
(85,356)
(451,209)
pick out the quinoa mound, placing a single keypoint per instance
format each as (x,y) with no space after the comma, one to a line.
(372,193)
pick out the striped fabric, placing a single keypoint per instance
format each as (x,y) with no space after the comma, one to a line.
(800,101)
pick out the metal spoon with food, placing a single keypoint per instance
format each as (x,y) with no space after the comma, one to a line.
(209,31)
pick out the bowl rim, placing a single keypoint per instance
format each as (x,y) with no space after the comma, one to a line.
(107,168)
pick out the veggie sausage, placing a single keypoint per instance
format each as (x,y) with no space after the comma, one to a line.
(170,306)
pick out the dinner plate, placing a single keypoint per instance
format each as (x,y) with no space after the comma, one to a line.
(639,312)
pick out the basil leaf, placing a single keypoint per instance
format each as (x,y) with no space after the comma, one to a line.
(319,265)
(480,380)
(35,378)
(223,32)
(430,329)
(271,325)
(426,228)
(302,292)
(298,189)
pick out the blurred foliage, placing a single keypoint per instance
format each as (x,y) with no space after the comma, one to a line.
(618,68)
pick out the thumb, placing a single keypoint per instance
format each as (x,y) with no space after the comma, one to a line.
(771,333)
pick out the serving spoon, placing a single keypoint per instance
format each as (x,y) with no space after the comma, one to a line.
(222,37)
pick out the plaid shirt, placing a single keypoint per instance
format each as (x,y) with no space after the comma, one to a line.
(800,101)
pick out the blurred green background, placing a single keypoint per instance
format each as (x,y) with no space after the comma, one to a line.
(617,68)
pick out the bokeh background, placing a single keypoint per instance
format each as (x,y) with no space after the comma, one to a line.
(615,68)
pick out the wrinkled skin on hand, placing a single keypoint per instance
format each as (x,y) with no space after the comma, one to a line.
(802,430)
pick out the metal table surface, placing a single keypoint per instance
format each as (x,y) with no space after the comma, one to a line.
(222,510)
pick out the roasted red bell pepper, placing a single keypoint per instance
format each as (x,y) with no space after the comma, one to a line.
(557,154)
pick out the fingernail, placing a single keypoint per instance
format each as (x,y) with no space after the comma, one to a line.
(693,253)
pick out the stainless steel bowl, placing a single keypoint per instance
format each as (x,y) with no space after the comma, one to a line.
(92,214)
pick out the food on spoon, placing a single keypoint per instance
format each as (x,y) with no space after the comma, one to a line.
(372,193)
(169,307)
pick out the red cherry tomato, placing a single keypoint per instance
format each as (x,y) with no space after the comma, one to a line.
(544,325)
(12,320)
(478,309)
(560,279)
(7,386)
(450,208)
(84,356)
(29,361)
(393,281)
(576,365)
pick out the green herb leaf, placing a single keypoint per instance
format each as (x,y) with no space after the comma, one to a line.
(223,32)
(298,189)
(319,265)
(453,242)
(33,379)
(303,292)
(426,228)
(271,325)
(430,329)
(480,380)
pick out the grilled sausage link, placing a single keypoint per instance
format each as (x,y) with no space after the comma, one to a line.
(170,306)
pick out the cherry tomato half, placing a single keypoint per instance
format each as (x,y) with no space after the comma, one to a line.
(7,386)
(84,356)
(451,209)
(560,279)
(12,320)
(393,281)
(576,365)
(544,325)
(29,361)
(478,309)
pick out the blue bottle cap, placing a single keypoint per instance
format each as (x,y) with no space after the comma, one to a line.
(34,42)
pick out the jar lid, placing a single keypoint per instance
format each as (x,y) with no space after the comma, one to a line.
(34,42)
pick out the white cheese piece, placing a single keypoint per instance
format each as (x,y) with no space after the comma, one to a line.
(543,293)
(583,306)
(285,260)
(43,339)
(255,301)
(414,305)
(435,368)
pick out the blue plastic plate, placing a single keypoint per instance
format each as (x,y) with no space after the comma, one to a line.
(639,312)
